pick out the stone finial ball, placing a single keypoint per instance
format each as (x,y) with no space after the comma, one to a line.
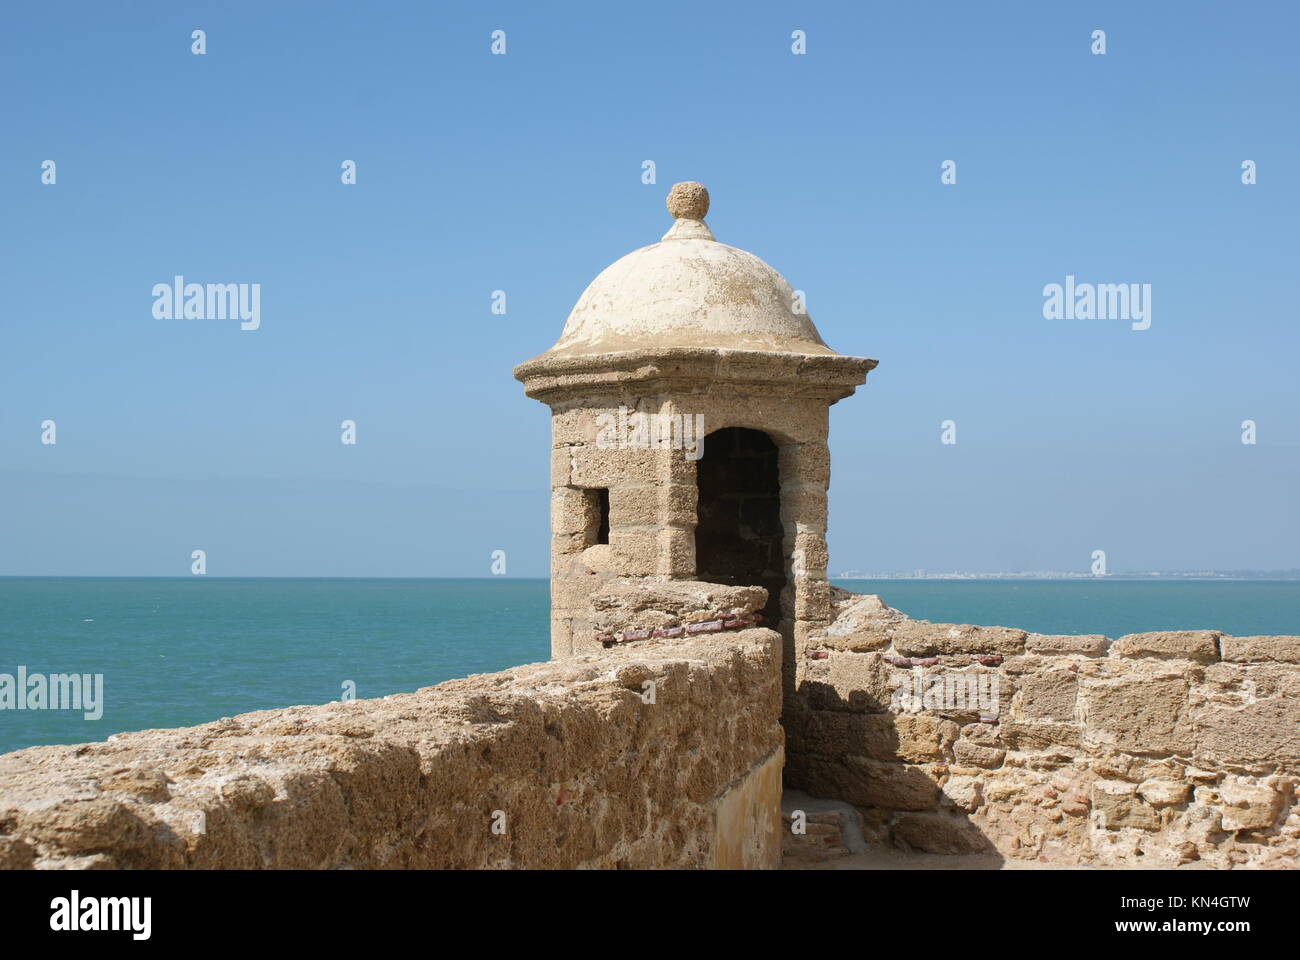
(688,201)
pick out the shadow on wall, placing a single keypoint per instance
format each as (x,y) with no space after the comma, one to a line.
(1155,749)
(885,765)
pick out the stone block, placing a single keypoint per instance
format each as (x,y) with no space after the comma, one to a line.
(573,512)
(1049,696)
(855,681)
(803,504)
(681,504)
(812,599)
(1248,805)
(893,786)
(1120,806)
(919,638)
(809,557)
(635,551)
(1142,714)
(1164,793)
(635,505)
(1090,644)
(1260,649)
(985,734)
(1199,645)
(870,783)
(562,466)
(939,833)
(594,467)
(578,425)
(1264,729)
(806,463)
(973,755)
(886,737)
(1041,735)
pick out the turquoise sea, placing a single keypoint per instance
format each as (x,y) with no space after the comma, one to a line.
(178,651)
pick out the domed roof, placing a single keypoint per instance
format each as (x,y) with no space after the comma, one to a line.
(688,290)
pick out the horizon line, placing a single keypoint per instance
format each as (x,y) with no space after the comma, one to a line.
(1285,574)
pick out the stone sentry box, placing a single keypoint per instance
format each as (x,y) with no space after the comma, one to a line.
(703,336)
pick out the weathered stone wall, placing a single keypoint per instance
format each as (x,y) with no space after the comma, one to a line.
(585,772)
(1153,749)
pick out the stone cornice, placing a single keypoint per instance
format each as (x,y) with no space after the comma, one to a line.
(551,378)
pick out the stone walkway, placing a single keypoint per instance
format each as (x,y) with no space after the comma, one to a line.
(877,857)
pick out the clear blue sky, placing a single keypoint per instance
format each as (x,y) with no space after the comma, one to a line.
(523,173)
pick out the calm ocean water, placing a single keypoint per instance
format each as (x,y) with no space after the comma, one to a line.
(175,652)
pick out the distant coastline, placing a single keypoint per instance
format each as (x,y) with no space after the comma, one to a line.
(1277,575)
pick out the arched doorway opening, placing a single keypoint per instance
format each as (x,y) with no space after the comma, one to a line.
(739,537)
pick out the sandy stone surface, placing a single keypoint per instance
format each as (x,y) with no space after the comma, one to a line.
(567,758)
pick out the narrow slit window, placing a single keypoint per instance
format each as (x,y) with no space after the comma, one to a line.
(596,508)
(602,511)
